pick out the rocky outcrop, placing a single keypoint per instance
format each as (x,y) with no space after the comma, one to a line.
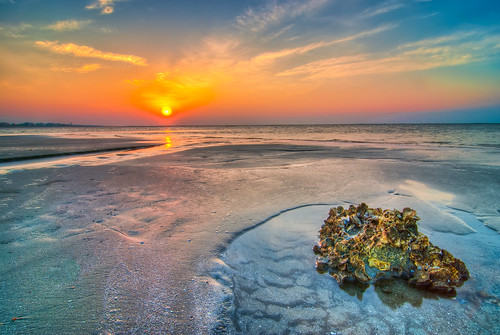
(367,244)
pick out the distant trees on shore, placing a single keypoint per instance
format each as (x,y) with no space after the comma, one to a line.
(31,124)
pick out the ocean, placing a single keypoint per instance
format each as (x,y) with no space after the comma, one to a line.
(460,141)
(210,229)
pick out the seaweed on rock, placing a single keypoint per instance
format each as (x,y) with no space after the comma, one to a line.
(367,244)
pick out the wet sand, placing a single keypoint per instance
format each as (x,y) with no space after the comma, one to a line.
(272,288)
(130,247)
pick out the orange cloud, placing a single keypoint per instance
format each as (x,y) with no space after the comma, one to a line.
(83,69)
(86,51)
(106,6)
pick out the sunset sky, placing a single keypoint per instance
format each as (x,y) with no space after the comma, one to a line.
(153,62)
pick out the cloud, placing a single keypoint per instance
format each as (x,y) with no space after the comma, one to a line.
(273,13)
(275,35)
(237,61)
(106,6)
(15,31)
(68,25)
(82,69)
(384,8)
(444,51)
(440,40)
(271,56)
(86,51)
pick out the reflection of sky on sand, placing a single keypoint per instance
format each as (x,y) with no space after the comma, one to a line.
(422,191)
(275,288)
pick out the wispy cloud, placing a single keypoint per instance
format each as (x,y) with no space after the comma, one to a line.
(258,62)
(252,60)
(82,69)
(383,8)
(441,40)
(277,34)
(273,13)
(15,31)
(421,55)
(23,30)
(106,6)
(68,25)
(89,52)
(271,56)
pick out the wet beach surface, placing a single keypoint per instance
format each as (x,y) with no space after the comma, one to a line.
(143,245)
(273,287)
(23,147)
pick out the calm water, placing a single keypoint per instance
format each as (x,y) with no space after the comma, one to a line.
(438,141)
(485,135)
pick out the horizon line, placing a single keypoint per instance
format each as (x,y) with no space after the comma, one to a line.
(71,125)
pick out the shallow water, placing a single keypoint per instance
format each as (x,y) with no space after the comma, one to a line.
(270,277)
(444,142)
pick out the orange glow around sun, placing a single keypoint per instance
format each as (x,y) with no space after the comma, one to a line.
(167,94)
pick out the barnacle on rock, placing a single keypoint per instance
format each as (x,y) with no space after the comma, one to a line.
(367,244)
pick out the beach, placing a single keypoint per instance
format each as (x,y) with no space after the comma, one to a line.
(113,239)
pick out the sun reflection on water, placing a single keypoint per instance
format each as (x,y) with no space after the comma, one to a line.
(168,142)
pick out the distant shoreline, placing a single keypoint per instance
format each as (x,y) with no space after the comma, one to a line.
(61,125)
(40,124)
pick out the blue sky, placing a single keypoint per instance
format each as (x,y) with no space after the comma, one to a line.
(250,61)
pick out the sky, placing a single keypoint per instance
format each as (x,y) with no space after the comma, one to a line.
(161,62)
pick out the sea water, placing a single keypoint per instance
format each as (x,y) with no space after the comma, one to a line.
(265,272)
(477,143)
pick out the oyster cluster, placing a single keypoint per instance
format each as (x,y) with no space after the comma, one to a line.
(367,244)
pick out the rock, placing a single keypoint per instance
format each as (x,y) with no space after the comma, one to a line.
(365,244)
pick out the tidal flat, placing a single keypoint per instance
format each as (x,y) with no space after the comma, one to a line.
(212,230)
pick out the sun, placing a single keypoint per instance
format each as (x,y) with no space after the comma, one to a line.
(167,111)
